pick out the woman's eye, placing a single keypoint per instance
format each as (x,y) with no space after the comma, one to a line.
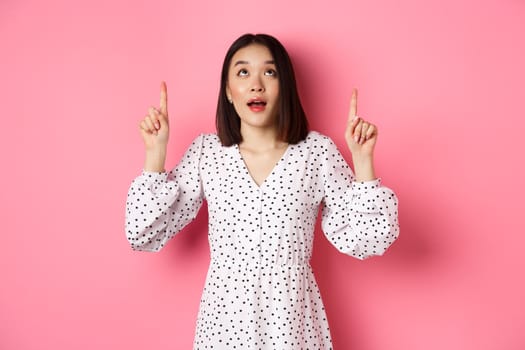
(271,72)
(242,73)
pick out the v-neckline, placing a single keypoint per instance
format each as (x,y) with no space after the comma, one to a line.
(247,171)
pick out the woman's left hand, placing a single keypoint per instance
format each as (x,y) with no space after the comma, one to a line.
(360,135)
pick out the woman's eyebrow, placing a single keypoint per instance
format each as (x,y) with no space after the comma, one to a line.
(246,62)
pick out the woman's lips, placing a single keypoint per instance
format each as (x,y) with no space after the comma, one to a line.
(257,105)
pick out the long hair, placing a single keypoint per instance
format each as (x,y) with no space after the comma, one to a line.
(292,124)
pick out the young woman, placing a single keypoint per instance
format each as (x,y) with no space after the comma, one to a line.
(264,176)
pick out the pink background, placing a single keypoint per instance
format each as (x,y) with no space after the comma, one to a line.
(443,80)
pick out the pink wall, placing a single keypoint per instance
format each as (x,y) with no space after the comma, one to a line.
(443,79)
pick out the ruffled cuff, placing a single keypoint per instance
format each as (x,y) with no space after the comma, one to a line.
(360,197)
(158,183)
(154,175)
(363,187)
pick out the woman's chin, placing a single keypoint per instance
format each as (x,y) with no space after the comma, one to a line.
(258,120)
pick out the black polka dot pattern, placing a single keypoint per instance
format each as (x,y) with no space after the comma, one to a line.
(260,291)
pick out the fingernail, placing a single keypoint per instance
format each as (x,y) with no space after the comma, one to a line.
(356,139)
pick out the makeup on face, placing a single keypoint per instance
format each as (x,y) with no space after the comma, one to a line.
(256,104)
(253,84)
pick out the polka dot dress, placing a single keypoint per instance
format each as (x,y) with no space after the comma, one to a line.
(260,291)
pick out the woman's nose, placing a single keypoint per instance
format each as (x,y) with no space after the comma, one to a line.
(257,86)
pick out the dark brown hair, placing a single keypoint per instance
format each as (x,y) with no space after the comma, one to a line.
(292,124)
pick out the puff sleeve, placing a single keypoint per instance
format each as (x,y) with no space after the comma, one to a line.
(359,218)
(159,205)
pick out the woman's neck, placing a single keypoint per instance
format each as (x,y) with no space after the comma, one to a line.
(261,139)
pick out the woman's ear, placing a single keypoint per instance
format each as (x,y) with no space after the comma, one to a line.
(228,93)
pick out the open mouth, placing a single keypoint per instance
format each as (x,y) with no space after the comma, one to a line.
(256,103)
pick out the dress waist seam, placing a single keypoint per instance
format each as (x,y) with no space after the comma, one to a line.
(236,263)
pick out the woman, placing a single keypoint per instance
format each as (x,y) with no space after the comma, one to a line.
(264,176)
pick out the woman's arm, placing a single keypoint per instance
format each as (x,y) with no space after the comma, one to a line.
(360,217)
(160,204)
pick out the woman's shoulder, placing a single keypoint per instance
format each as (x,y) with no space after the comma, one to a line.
(316,137)
(211,144)
(210,137)
(207,140)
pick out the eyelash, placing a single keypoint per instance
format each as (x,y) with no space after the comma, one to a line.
(272,71)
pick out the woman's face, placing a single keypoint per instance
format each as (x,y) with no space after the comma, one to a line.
(253,86)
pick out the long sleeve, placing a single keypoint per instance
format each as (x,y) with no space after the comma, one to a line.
(159,205)
(359,218)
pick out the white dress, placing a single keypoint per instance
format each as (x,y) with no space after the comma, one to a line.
(260,291)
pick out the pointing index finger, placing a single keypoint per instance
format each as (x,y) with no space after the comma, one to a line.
(353,104)
(163,98)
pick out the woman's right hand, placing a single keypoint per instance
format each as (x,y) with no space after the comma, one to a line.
(154,129)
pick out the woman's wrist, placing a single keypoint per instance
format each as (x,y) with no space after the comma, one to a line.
(364,168)
(155,160)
